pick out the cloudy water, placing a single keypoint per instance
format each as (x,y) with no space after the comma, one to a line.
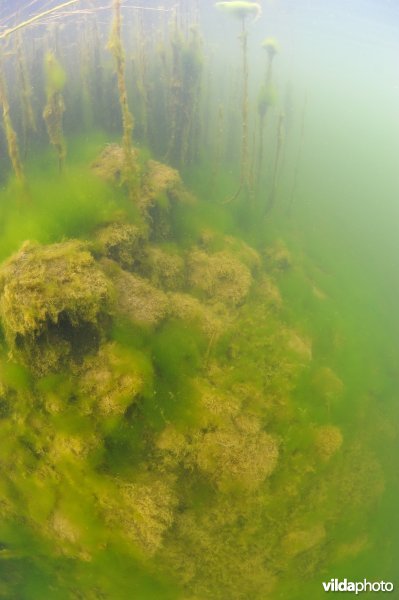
(199,357)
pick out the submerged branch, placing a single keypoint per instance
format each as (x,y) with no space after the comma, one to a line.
(45,13)
(63,5)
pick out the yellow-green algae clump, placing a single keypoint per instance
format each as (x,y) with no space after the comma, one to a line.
(52,304)
(148,408)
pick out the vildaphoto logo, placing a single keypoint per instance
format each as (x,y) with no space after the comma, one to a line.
(335,585)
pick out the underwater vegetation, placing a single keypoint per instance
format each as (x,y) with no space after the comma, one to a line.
(183,409)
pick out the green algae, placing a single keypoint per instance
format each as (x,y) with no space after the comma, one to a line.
(220,435)
(241,430)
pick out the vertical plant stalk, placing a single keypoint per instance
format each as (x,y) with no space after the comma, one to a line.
(11,136)
(280,138)
(28,117)
(218,143)
(244,168)
(142,55)
(190,97)
(174,93)
(87,44)
(55,107)
(116,49)
(263,108)
(244,147)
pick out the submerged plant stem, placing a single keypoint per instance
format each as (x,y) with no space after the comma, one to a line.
(37,17)
(11,136)
(115,46)
(280,136)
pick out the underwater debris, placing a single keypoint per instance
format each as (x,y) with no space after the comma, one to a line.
(54,302)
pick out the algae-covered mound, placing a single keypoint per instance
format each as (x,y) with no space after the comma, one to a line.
(150,408)
(219,276)
(122,242)
(53,304)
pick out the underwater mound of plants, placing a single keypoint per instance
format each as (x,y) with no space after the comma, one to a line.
(152,436)
(191,370)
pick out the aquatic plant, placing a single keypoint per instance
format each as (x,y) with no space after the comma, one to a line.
(37,17)
(219,277)
(55,107)
(266,97)
(271,47)
(186,70)
(277,157)
(242,10)
(129,175)
(28,116)
(53,301)
(11,136)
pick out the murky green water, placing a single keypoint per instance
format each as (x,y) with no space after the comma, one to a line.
(198,299)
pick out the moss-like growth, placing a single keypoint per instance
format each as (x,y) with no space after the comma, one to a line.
(241,455)
(110,164)
(160,179)
(192,311)
(164,268)
(328,440)
(142,512)
(301,540)
(121,242)
(277,257)
(327,384)
(53,304)
(109,382)
(138,300)
(219,277)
